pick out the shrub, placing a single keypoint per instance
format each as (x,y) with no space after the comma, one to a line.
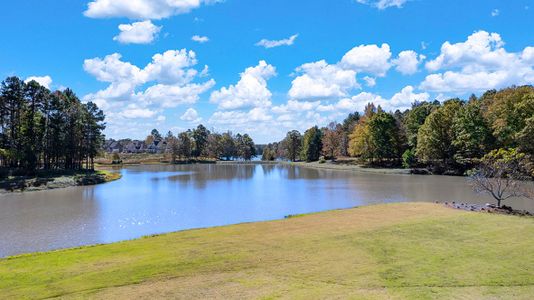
(409,159)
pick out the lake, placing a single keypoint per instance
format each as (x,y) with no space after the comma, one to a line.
(152,199)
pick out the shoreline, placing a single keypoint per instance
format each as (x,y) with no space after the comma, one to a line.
(351,168)
(461,207)
(59,181)
(254,259)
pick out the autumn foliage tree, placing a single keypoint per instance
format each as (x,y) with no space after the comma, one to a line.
(452,136)
(333,140)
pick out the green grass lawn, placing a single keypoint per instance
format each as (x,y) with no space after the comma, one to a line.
(395,251)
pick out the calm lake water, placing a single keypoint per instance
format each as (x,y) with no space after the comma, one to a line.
(164,198)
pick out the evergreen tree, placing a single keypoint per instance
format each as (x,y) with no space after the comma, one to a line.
(292,145)
(200,137)
(40,129)
(311,144)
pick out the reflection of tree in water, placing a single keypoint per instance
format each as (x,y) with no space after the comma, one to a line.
(295,172)
(200,176)
(267,168)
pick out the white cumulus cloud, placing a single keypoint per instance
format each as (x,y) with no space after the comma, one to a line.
(137,33)
(408,61)
(169,80)
(45,81)
(142,9)
(191,115)
(250,91)
(322,80)
(401,100)
(134,113)
(368,59)
(478,64)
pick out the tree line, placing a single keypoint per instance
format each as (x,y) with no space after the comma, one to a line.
(201,142)
(40,129)
(449,137)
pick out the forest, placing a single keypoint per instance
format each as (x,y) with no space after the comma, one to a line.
(446,138)
(44,130)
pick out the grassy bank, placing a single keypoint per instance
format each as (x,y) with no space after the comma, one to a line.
(350,167)
(147,159)
(398,251)
(45,180)
(108,176)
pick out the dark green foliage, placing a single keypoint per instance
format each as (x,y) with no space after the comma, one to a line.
(436,135)
(268,154)
(414,119)
(157,136)
(472,135)
(351,120)
(228,146)
(384,135)
(200,137)
(245,146)
(44,130)
(292,145)
(376,137)
(507,111)
(409,159)
(311,144)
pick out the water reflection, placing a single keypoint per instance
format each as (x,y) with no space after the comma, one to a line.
(162,198)
(200,175)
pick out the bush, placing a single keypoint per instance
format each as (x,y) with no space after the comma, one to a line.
(408,159)
(116,159)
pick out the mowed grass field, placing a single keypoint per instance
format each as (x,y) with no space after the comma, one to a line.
(393,251)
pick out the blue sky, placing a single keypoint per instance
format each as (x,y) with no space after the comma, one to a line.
(329,57)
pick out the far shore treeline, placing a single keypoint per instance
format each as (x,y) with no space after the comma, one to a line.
(197,143)
(40,129)
(450,137)
(44,130)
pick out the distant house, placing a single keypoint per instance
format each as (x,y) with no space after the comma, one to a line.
(141,147)
(112,146)
(162,147)
(129,148)
(134,146)
(157,146)
(153,148)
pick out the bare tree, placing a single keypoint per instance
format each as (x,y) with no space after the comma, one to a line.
(502,180)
